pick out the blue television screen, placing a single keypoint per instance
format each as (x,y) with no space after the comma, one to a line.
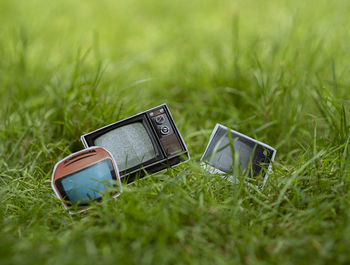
(90,183)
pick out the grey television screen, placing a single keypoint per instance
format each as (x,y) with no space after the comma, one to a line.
(130,145)
(221,156)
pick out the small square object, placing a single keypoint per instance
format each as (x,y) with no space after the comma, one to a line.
(253,155)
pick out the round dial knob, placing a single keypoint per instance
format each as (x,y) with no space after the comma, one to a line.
(160,119)
(164,130)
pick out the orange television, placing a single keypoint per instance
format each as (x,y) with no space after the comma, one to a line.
(85,176)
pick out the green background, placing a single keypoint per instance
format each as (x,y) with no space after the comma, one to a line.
(277,71)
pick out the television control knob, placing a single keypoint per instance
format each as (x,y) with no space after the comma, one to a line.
(164,130)
(160,119)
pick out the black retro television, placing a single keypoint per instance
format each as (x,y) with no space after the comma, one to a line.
(147,142)
(254,157)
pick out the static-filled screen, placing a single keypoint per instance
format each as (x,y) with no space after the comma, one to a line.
(130,145)
(90,183)
(220,156)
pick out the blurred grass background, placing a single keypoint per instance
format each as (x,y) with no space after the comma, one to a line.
(277,71)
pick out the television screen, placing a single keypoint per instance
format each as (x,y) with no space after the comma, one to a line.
(221,155)
(90,183)
(130,145)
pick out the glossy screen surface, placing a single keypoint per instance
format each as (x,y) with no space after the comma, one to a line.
(220,154)
(130,145)
(90,183)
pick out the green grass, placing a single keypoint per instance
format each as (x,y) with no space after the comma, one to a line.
(277,71)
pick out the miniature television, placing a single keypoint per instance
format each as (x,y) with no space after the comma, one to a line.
(254,157)
(146,143)
(85,176)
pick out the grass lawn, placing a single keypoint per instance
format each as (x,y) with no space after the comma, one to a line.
(275,70)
